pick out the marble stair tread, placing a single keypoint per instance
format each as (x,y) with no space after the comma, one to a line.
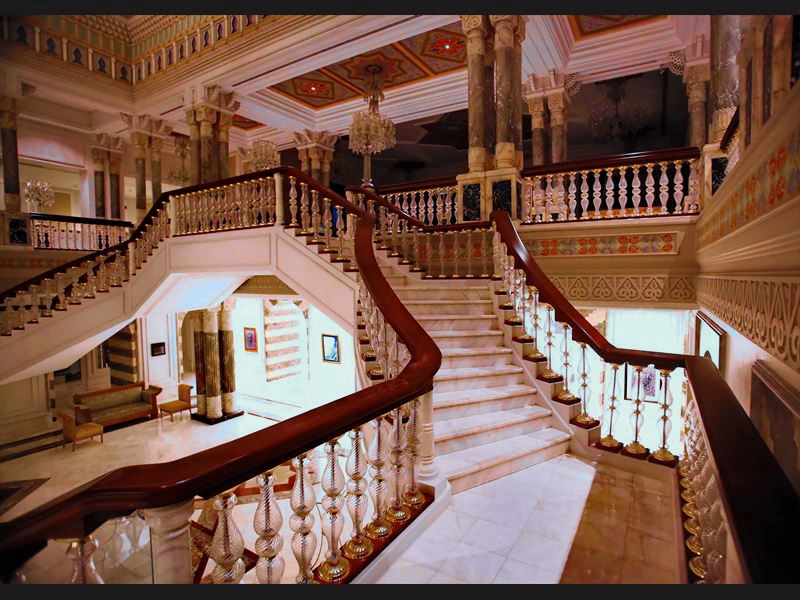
(427,288)
(446,302)
(477,458)
(459,426)
(442,399)
(464,334)
(479,351)
(469,322)
(466,372)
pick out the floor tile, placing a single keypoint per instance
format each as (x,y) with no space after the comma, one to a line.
(472,564)
(514,571)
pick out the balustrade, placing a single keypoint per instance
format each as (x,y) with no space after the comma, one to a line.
(431,206)
(55,232)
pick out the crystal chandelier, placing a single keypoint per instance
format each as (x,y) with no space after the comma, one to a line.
(38,195)
(618,121)
(371,132)
(264,155)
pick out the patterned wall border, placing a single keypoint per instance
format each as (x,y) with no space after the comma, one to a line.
(606,245)
(766,312)
(626,288)
(772,183)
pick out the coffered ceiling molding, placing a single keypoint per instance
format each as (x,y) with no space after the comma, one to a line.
(586,25)
(245,124)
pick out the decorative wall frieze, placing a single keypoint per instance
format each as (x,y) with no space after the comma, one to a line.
(626,288)
(765,311)
(264,285)
(769,184)
(666,242)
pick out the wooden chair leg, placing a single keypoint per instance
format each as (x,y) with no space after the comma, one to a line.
(101,438)
(73,445)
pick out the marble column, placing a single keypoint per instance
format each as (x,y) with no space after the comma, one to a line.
(194,147)
(315,149)
(724,84)
(116,193)
(505,153)
(156,145)
(224,122)
(538,132)
(199,363)
(490,114)
(211,360)
(327,159)
(474,27)
(226,362)
(9,109)
(557,106)
(98,162)
(516,90)
(697,77)
(314,157)
(302,154)
(139,140)
(170,542)
(209,156)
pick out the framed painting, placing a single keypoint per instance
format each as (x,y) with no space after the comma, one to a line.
(709,340)
(330,348)
(158,349)
(250,342)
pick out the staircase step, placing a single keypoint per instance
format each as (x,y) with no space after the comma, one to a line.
(475,430)
(395,279)
(462,403)
(466,339)
(453,358)
(450,307)
(433,292)
(457,322)
(473,466)
(448,380)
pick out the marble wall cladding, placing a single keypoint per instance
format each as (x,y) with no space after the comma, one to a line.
(471,199)
(501,195)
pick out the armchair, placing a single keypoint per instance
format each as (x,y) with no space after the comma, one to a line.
(75,433)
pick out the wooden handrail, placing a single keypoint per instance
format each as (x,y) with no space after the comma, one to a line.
(730,131)
(217,469)
(615,160)
(83,220)
(411,186)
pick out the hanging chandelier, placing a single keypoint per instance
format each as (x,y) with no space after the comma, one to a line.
(618,121)
(371,132)
(264,155)
(39,194)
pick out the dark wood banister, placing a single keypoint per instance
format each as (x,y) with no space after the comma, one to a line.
(412,186)
(214,470)
(614,160)
(83,220)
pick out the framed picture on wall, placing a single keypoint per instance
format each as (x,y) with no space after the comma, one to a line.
(250,343)
(158,349)
(330,348)
(709,340)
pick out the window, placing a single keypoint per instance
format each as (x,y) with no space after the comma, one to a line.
(101,65)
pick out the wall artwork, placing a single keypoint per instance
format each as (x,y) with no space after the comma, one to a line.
(158,349)
(709,340)
(330,348)
(250,343)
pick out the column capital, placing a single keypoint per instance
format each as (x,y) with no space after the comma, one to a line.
(146,124)
(474,24)
(156,144)
(320,139)
(218,98)
(224,122)
(536,105)
(139,140)
(697,73)
(9,109)
(205,114)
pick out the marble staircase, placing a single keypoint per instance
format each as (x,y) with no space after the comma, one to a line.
(487,423)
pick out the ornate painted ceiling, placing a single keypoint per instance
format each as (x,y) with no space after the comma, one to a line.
(586,25)
(417,58)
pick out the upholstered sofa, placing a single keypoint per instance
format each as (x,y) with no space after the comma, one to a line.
(116,404)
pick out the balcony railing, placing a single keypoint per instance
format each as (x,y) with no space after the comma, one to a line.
(62,232)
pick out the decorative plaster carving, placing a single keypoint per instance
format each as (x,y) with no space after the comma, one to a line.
(665,242)
(767,312)
(676,61)
(265,285)
(626,288)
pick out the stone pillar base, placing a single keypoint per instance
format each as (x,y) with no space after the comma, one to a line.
(505,155)
(16,228)
(214,407)
(228,402)
(468,197)
(476,159)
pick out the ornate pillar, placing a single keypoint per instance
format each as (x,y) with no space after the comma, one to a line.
(9,109)
(209,156)
(302,153)
(516,90)
(327,159)
(724,84)
(98,161)
(696,77)
(475,27)
(211,364)
(223,131)
(116,193)
(557,105)
(504,25)
(194,147)
(139,140)
(489,112)
(227,372)
(156,144)
(199,363)
(315,149)
(170,542)
(538,141)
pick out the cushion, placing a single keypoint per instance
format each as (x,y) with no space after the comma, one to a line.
(113,412)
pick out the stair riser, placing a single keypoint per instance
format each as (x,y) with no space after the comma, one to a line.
(478,341)
(479,360)
(442,413)
(396,279)
(476,478)
(471,383)
(445,324)
(470,440)
(473,307)
(444,294)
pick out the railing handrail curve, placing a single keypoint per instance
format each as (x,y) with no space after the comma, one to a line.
(216,469)
(614,160)
(82,220)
